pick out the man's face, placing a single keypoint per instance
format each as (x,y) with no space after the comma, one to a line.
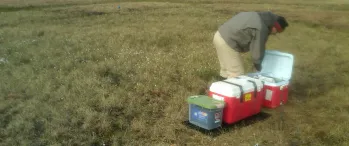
(274,31)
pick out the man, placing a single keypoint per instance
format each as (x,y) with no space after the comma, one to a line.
(246,31)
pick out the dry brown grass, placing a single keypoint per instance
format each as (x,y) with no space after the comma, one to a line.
(92,74)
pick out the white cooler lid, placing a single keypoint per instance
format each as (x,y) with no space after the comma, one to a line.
(277,64)
(230,90)
(258,82)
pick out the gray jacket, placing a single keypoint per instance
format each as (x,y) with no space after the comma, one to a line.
(248,31)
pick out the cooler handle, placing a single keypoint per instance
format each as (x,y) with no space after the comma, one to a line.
(255,88)
(254,84)
(242,90)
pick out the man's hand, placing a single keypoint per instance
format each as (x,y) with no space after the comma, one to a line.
(258,67)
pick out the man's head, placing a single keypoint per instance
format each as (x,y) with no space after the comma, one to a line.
(279,25)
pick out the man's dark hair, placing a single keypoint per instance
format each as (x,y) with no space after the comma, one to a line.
(282,21)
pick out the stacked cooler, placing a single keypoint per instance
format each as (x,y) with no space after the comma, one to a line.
(245,95)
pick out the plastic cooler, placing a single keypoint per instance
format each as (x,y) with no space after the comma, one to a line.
(276,73)
(242,97)
(205,111)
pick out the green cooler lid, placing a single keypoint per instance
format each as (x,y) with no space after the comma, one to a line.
(206,102)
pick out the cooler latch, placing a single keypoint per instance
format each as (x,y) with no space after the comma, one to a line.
(281,99)
(282,87)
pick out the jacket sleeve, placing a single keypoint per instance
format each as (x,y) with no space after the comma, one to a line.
(257,46)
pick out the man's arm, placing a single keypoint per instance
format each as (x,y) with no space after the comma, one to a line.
(257,48)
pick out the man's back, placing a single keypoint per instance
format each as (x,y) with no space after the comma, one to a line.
(239,31)
(243,20)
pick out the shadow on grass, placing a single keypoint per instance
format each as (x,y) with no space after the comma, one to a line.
(229,127)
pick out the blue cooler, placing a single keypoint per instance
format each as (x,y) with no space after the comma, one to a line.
(205,112)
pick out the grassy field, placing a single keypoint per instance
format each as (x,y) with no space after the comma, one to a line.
(87,73)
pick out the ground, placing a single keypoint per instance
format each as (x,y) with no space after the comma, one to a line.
(87,73)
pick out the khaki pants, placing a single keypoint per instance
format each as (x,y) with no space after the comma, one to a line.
(230,60)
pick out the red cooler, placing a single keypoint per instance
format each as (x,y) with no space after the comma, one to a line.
(242,97)
(275,74)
